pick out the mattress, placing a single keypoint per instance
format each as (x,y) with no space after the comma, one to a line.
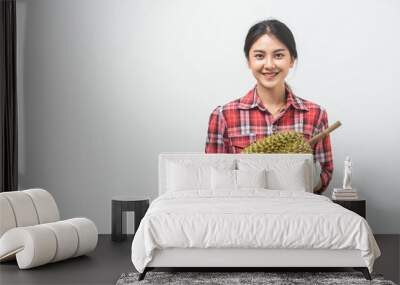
(250,219)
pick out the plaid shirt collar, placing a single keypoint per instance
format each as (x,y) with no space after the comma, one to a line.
(252,100)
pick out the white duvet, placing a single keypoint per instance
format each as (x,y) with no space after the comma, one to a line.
(251,218)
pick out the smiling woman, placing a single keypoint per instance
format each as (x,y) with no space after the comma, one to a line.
(271,106)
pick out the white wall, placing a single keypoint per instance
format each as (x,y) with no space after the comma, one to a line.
(105,86)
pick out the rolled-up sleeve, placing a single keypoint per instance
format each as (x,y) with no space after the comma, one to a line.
(216,134)
(323,152)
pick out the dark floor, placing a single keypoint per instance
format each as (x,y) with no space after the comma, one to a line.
(102,266)
(111,259)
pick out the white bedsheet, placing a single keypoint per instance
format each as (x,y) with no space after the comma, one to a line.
(250,218)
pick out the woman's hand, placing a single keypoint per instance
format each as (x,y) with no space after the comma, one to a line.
(318,189)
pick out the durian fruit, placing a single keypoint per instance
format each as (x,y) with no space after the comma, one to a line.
(288,142)
(282,142)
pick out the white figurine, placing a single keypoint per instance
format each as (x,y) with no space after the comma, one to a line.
(347,173)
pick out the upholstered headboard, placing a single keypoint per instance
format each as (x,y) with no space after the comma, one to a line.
(271,160)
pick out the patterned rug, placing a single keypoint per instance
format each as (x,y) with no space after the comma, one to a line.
(270,278)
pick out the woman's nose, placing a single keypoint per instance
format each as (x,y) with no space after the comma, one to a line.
(269,62)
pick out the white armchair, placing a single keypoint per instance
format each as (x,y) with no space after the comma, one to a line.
(31,230)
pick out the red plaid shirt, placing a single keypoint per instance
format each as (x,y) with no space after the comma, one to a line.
(237,124)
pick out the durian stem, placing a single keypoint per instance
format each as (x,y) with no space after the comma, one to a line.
(324,133)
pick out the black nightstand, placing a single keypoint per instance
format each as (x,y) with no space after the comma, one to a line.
(122,204)
(357,206)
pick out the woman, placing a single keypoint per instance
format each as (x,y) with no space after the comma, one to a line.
(271,106)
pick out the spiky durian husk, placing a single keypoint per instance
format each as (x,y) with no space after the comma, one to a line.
(283,142)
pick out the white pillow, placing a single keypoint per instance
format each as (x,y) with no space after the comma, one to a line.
(282,174)
(193,173)
(237,179)
(188,177)
(291,177)
(223,179)
(251,178)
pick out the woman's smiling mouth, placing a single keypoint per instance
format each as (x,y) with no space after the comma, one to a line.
(270,75)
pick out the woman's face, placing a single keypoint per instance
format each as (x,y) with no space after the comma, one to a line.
(269,61)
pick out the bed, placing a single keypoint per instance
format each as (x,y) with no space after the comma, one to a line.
(246,211)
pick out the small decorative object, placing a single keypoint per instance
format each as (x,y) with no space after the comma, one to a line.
(288,142)
(347,192)
(347,173)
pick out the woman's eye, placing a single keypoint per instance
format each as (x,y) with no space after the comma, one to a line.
(259,56)
(279,55)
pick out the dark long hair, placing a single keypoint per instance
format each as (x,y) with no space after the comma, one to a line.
(274,27)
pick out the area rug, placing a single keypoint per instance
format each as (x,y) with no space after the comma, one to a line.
(269,278)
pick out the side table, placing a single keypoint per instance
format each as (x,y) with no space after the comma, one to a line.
(122,204)
(357,206)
